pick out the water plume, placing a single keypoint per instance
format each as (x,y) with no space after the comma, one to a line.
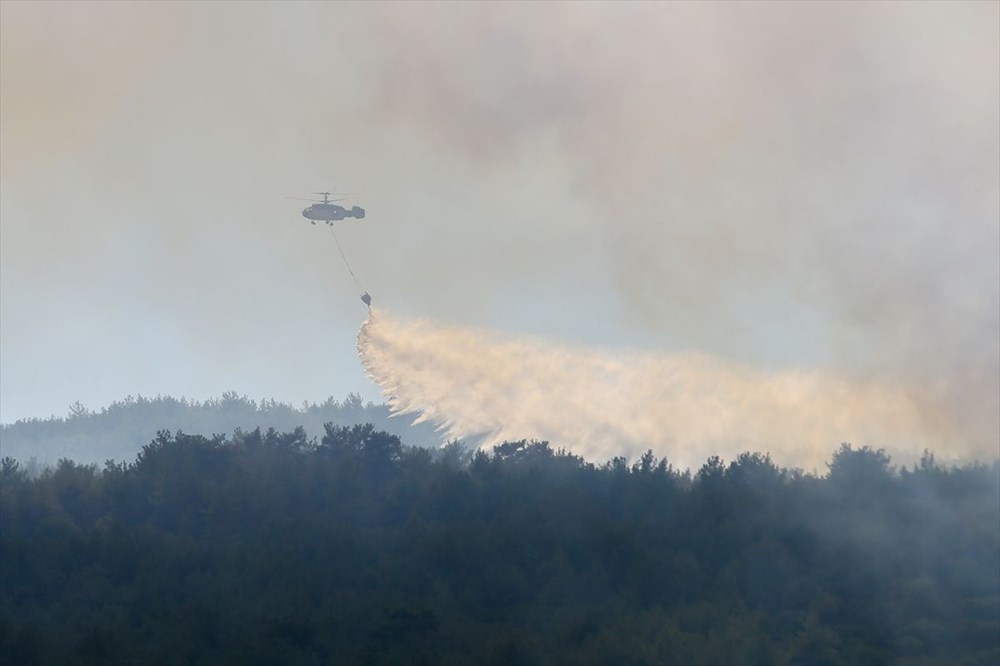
(688,406)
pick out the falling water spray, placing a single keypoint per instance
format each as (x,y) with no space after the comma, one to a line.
(479,384)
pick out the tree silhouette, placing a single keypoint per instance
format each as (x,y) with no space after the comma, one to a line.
(277,547)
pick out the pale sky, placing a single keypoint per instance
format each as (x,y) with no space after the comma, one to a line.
(787,185)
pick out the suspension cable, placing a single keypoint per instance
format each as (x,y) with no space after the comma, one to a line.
(347,263)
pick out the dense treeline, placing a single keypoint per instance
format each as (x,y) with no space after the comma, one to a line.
(120,430)
(277,548)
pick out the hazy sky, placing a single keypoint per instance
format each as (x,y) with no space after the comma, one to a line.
(786,185)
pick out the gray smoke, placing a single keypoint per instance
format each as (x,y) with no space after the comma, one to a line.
(809,185)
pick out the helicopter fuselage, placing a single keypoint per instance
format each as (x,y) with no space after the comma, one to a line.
(328,212)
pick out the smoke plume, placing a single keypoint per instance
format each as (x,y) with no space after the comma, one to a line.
(687,406)
(785,185)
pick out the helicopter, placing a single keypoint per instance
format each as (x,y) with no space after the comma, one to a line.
(328,211)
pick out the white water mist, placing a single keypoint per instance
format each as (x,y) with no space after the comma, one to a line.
(689,406)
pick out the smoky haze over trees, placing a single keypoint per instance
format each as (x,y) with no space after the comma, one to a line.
(270,547)
(119,431)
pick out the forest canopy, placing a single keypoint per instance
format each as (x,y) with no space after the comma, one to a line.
(275,547)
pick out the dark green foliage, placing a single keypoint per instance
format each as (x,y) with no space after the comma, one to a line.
(268,548)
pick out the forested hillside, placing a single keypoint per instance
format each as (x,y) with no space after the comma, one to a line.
(354,549)
(118,432)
